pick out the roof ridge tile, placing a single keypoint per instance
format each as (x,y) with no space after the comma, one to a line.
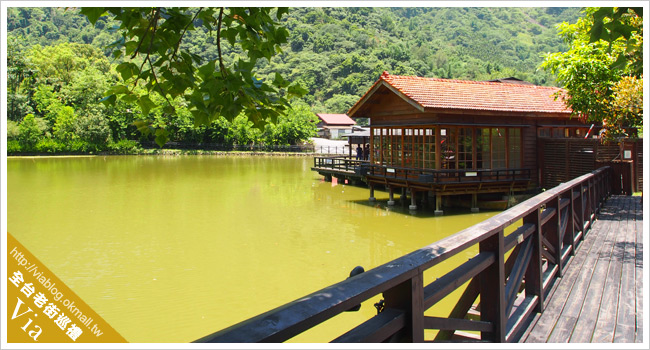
(431,92)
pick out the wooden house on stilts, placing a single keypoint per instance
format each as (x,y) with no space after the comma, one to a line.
(436,137)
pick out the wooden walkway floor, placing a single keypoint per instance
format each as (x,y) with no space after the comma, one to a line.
(599,299)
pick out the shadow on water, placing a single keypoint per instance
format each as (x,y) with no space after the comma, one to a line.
(424,211)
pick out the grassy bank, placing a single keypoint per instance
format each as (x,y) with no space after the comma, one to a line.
(166,152)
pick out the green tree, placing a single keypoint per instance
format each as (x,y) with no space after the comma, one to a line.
(213,87)
(612,24)
(12,130)
(298,125)
(93,129)
(31,129)
(65,124)
(340,103)
(593,81)
(17,72)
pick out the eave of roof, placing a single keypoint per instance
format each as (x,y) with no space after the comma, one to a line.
(443,94)
(335,119)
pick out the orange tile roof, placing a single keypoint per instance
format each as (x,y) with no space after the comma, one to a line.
(473,95)
(336,119)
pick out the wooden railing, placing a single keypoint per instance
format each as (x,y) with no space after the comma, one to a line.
(445,175)
(339,163)
(510,275)
(421,175)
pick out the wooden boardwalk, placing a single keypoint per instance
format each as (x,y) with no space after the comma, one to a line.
(599,299)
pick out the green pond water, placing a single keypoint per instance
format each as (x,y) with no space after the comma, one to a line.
(172,248)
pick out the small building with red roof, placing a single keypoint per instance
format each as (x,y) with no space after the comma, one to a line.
(445,137)
(334,126)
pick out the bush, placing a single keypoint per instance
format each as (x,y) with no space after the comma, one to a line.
(78,146)
(31,129)
(93,128)
(49,145)
(125,147)
(13,146)
(12,130)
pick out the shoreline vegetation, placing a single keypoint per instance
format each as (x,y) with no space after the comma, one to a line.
(166,152)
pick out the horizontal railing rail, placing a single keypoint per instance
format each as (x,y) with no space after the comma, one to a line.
(345,164)
(449,175)
(420,175)
(510,274)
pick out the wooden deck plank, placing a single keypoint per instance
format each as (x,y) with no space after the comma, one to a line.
(589,313)
(557,300)
(576,299)
(626,320)
(613,295)
(639,270)
(599,299)
(569,295)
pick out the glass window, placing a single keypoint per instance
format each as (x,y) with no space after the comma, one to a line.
(448,140)
(558,132)
(396,147)
(465,148)
(376,145)
(498,148)
(429,148)
(408,147)
(514,148)
(418,148)
(385,147)
(482,148)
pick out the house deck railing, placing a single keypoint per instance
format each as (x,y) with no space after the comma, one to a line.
(343,164)
(421,175)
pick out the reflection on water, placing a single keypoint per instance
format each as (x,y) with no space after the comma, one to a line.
(169,249)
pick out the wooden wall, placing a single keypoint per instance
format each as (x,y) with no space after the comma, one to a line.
(565,159)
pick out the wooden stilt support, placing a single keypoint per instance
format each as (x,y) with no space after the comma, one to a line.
(414,197)
(438,205)
(372,193)
(391,194)
(474,208)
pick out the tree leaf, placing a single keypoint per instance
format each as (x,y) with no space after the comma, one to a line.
(281,11)
(127,70)
(279,81)
(596,32)
(118,90)
(296,90)
(162,136)
(145,104)
(93,13)
(109,100)
(143,126)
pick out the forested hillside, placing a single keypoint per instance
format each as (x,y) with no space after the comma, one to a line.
(59,67)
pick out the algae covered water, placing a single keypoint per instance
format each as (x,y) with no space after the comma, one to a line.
(172,248)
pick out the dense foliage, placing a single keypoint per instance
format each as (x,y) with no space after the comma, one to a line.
(59,66)
(601,76)
(212,88)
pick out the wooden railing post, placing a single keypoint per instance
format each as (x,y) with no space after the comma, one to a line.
(492,289)
(408,297)
(554,232)
(534,276)
(583,208)
(590,200)
(569,234)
